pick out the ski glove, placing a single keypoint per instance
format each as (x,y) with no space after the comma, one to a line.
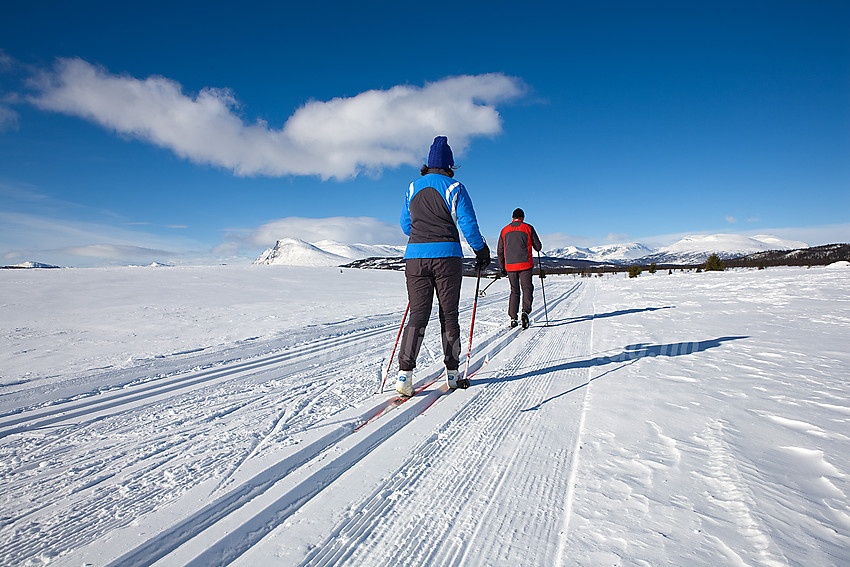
(504,273)
(482,257)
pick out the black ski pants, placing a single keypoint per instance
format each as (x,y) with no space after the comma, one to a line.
(424,276)
(520,281)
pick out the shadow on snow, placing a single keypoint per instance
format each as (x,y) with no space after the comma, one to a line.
(571,320)
(629,355)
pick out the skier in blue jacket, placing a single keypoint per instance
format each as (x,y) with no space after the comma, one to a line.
(434,207)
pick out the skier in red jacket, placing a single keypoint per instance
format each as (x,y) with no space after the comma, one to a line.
(516,261)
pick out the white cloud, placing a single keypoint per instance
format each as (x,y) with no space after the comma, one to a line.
(116,252)
(615,238)
(350,230)
(338,138)
(731,220)
(68,242)
(812,235)
(55,240)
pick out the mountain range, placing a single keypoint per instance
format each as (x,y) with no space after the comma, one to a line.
(689,250)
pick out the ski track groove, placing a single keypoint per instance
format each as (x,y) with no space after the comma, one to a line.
(96,403)
(371,536)
(574,466)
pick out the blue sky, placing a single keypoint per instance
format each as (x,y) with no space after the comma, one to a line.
(203,131)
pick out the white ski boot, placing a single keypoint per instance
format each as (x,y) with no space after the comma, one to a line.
(454,381)
(451,378)
(404,384)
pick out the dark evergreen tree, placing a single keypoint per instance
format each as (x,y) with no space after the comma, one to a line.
(714,264)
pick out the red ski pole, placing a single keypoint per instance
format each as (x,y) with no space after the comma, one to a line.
(390,363)
(464,382)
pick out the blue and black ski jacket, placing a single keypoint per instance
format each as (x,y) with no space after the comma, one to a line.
(434,208)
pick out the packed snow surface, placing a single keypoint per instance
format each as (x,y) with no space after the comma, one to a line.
(227,415)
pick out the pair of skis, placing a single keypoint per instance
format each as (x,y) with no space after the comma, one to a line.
(462,383)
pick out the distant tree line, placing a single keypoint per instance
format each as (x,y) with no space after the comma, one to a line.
(814,256)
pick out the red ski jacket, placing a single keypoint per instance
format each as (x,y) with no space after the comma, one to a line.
(515,245)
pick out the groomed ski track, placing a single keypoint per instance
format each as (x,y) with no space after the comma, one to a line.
(447,478)
(471,473)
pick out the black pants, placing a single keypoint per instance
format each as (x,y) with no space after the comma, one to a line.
(520,281)
(424,276)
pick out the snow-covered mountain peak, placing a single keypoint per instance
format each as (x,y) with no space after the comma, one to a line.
(602,253)
(296,252)
(730,244)
(628,251)
(570,253)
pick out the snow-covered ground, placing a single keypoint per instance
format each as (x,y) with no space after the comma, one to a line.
(226,415)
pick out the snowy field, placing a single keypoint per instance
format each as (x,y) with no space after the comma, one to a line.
(226,415)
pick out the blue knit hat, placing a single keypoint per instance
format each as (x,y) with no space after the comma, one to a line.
(440,156)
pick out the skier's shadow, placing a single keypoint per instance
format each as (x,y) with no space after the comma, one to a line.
(571,320)
(629,355)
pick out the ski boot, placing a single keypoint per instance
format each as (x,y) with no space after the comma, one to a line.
(524,320)
(453,380)
(404,384)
